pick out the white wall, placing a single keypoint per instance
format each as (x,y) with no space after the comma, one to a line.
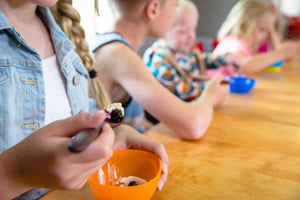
(87,12)
(89,20)
(105,18)
(212,13)
(290,7)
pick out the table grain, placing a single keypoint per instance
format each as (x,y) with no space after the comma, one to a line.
(251,151)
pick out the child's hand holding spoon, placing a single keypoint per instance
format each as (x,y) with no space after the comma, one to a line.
(114,117)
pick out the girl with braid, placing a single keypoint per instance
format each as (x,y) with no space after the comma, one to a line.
(250,25)
(44,101)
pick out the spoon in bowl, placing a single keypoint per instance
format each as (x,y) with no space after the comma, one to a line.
(238,69)
(114,117)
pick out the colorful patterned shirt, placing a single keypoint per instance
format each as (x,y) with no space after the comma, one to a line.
(159,60)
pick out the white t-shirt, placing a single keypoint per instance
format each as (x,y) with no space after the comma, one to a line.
(57,102)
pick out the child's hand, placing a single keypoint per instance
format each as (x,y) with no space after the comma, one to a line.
(215,93)
(127,137)
(43,159)
(274,38)
(234,59)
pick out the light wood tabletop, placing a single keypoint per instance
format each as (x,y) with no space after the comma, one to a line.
(251,150)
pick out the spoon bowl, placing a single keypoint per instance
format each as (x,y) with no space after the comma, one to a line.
(115,117)
(82,139)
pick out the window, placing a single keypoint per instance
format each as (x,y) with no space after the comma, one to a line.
(90,22)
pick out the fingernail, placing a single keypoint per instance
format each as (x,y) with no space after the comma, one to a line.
(159,187)
(165,167)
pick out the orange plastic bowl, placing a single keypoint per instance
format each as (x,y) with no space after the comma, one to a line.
(126,163)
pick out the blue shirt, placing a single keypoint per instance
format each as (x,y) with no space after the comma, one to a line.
(22,94)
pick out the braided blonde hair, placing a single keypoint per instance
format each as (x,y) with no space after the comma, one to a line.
(69,20)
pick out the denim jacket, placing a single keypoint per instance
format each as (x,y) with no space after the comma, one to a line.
(22,94)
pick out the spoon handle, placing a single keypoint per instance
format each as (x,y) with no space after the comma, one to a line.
(82,139)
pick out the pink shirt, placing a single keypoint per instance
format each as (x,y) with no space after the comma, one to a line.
(264,47)
(230,44)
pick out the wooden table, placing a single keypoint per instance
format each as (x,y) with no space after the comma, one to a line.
(250,151)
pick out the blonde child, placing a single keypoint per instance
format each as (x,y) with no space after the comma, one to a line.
(126,76)
(43,82)
(175,62)
(249,25)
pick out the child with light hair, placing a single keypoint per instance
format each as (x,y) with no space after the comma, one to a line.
(174,60)
(249,25)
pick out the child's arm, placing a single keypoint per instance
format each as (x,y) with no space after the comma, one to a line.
(213,61)
(260,61)
(8,187)
(189,121)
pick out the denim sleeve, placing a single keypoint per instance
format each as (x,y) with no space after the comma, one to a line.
(93,105)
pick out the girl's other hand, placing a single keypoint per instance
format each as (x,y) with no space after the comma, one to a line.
(127,137)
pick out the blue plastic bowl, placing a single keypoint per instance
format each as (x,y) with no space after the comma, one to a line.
(241,84)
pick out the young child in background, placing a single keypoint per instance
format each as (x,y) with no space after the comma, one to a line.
(126,76)
(173,60)
(44,81)
(249,25)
